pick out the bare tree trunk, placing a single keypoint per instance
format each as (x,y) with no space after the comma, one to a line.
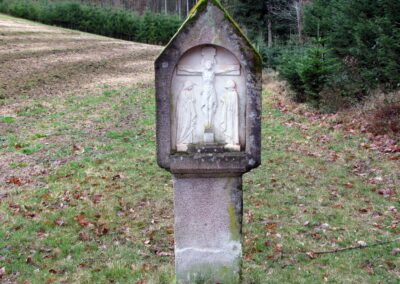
(180,8)
(299,18)
(187,8)
(269,33)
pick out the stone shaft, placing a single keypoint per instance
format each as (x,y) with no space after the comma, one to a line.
(208,222)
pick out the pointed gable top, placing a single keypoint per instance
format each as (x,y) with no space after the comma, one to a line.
(208,7)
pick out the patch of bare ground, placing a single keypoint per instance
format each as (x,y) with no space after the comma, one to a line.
(27,69)
(54,77)
(40,67)
(26,49)
(9,24)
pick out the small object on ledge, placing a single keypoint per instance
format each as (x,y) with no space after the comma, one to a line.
(232,147)
(208,136)
(181,147)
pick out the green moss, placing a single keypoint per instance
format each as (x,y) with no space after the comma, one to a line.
(200,6)
(233,228)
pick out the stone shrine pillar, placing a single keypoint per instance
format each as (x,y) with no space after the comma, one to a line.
(208,99)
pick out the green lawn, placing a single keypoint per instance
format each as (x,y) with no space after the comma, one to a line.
(100,210)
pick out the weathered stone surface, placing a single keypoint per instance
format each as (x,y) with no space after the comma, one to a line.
(208,219)
(208,100)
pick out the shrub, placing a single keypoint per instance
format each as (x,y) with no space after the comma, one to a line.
(288,70)
(316,71)
(308,70)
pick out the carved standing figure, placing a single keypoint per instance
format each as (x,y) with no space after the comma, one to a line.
(230,115)
(185,116)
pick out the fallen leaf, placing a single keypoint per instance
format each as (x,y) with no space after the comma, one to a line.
(315,236)
(268,243)
(83,236)
(29,260)
(77,149)
(59,222)
(390,264)
(337,206)
(96,198)
(81,219)
(145,268)
(395,251)
(394,158)
(14,180)
(117,176)
(164,253)
(310,254)
(386,192)
(365,145)
(101,230)
(271,227)
(278,248)
(348,185)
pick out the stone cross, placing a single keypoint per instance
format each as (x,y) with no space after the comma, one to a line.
(208,100)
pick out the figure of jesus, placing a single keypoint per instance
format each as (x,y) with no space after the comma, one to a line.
(230,116)
(208,70)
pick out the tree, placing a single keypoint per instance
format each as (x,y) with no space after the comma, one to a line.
(363,34)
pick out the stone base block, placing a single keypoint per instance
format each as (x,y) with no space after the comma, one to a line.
(208,222)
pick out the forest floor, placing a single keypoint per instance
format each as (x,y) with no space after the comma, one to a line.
(82,199)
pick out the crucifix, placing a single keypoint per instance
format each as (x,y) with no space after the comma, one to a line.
(208,70)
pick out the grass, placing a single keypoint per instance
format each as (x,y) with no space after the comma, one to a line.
(105,214)
(82,199)
(100,216)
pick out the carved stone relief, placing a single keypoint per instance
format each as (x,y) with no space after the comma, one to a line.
(208,89)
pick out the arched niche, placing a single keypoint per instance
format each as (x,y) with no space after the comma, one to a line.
(208,99)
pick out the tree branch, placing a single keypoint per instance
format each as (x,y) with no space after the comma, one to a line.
(311,254)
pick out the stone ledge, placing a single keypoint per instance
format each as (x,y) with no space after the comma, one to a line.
(210,164)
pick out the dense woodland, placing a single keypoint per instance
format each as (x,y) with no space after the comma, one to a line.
(331,52)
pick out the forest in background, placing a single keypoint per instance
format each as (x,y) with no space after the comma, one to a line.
(332,53)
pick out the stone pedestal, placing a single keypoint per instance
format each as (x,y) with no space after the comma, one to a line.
(208,101)
(208,222)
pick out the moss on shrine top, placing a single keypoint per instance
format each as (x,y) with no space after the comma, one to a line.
(200,6)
